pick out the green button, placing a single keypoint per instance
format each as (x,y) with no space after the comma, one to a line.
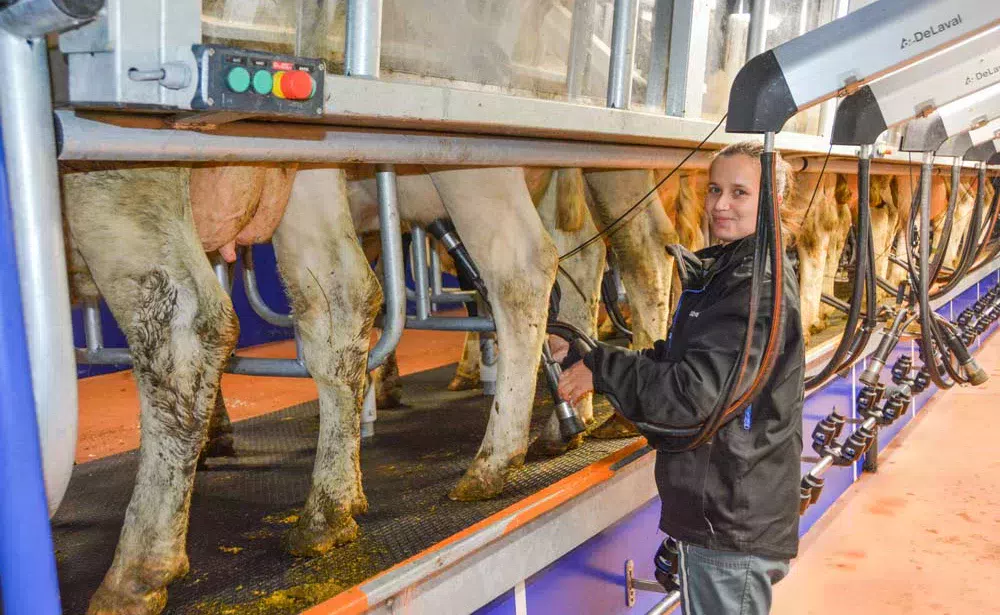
(238,79)
(262,82)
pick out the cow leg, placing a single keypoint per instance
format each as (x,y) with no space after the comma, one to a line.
(579,281)
(335,297)
(388,388)
(517,261)
(134,229)
(220,433)
(467,370)
(812,249)
(646,268)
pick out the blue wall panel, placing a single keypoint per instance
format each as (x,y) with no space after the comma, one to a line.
(503,605)
(591,578)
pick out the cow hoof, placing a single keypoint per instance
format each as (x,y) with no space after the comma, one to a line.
(615,427)
(463,383)
(476,486)
(220,446)
(360,504)
(110,602)
(389,399)
(316,537)
(140,590)
(553,448)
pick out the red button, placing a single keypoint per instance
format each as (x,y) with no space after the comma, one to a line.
(293,85)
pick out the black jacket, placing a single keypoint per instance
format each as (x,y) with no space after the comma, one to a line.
(739,491)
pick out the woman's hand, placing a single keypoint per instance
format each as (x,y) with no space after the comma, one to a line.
(559,348)
(576,382)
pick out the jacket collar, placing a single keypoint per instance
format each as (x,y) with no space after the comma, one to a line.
(696,269)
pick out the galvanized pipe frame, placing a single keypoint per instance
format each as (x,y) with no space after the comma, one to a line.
(257,303)
(33,180)
(102,138)
(622,59)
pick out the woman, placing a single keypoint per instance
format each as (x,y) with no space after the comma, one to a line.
(732,503)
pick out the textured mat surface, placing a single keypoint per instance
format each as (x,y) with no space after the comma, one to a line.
(242,507)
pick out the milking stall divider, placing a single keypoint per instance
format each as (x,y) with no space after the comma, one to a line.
(143,87)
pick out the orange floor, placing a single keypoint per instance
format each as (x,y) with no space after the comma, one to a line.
(923,534)
(109,404)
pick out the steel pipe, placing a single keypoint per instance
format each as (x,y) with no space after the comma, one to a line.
(87,139)
(245,366)
(259,366)
(656,83)
(436,283)
(475,324)
(622,63)
(104,356)
(813,164)
(36,18)
(221,269)
(581,41)
(364,38)
(418,267)
(33,181)
(392,267)
(93,333)
(667,604)
(28,582)
(449,296)
(256,301)
(757,37)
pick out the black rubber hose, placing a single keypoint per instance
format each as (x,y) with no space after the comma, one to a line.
(609,295)
(945,239)
(863,243)
(990,239)
(930,340)
(970,248)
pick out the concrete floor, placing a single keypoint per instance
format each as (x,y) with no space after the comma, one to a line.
(923,534)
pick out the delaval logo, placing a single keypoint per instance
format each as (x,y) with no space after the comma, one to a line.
(923,35)
(982,74)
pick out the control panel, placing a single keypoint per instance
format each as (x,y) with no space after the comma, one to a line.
(232,79)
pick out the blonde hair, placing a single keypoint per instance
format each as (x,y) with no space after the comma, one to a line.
(784,180)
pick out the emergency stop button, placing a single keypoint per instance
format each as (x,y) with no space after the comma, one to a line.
(293,85)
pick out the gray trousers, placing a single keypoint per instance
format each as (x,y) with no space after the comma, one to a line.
(726,583)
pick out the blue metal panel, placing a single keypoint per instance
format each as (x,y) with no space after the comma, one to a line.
(503,605)
(27,561)
(838,394)
(886,434)
(591,578)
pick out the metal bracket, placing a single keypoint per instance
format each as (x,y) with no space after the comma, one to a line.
(632,584)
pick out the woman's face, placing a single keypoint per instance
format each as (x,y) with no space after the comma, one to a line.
(731,201)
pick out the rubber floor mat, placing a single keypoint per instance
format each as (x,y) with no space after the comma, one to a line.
(243,506)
